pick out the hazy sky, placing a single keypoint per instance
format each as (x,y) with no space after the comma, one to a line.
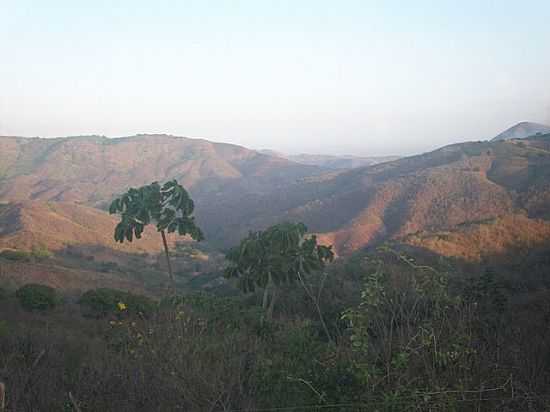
(360,77)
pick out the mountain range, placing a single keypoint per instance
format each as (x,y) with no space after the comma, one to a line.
(465,200)
(453,186)
(93,169)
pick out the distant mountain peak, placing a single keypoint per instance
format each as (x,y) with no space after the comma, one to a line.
(522,130)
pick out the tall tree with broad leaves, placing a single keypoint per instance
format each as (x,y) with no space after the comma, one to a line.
(169,207)
(281,254)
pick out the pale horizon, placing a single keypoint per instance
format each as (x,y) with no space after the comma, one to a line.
(355,78)
(217,140)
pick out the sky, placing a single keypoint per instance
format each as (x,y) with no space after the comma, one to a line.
(335,77)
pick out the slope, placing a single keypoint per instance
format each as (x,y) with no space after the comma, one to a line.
(433,192)
(91,169)
(522,130)
(237,190)
(58,225)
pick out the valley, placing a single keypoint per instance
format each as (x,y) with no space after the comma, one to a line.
(463,201)
(274,206)
(449,245)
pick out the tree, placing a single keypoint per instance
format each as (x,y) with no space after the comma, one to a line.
(169,207)
(282,254)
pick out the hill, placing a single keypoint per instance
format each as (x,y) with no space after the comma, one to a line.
(438,191)
(56,226)
(71,247)
(522,130)
(333,162)
(68,279)
(92,169)
(429,196)
(486,240)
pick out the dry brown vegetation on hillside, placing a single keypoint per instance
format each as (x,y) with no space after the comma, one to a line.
(237,190)
(57,225)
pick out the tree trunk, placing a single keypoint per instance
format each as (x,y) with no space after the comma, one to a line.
(267,303)
(317,306)
(2,397)
(168,259)
(265,298)
(272,303)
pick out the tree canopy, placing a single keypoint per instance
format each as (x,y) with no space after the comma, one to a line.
(278,255)
(169,207)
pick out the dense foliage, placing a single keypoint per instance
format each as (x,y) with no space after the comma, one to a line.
(34,297)
(103,302)
(168,206)
(408,335)
(279,255)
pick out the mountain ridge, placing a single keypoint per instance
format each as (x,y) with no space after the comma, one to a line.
(522,130)
(333,162)
(237,190)
(93,169)
(435,191)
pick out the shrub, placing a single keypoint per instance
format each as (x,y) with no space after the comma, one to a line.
(15,255)
(41,253)
(102,302)
(37,297)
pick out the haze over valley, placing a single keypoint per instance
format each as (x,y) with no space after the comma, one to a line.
(412,199)
(271,206)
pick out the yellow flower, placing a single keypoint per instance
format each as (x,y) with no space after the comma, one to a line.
(121,306)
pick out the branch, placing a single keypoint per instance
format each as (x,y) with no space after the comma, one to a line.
(316,303)
(74,403)
(309,385)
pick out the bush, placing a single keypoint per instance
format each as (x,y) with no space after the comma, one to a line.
(41,253)
(102,302)
(16,255)
(37,297)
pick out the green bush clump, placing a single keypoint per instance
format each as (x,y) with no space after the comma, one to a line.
(35,297)
(41,253)
(16,255)
(98,303)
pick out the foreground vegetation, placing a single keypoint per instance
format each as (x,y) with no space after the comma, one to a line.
(404,335)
